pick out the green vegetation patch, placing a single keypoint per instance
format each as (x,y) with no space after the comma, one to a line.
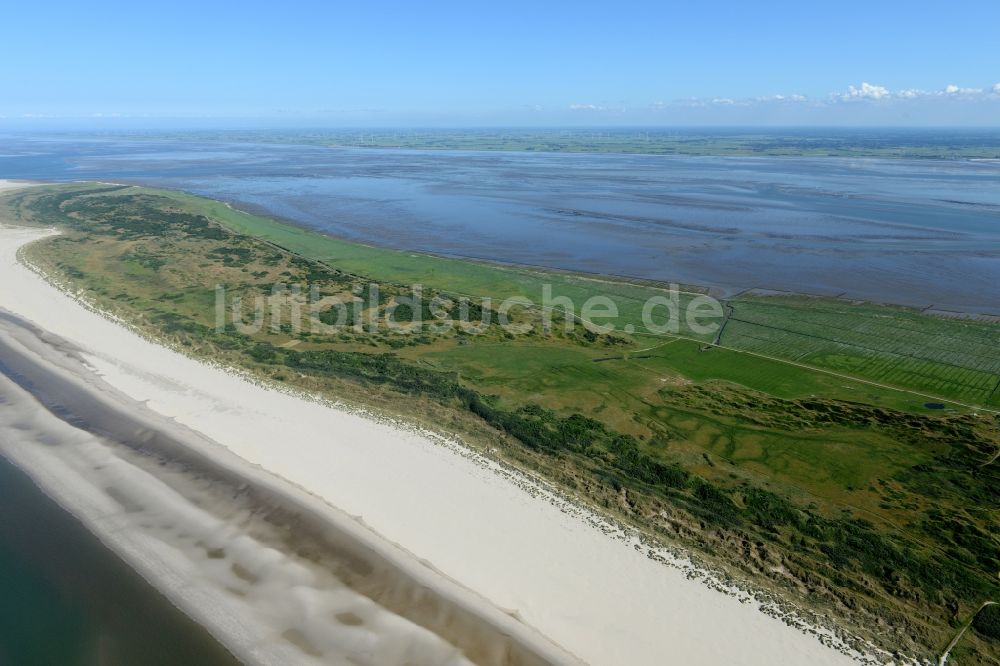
(951,358)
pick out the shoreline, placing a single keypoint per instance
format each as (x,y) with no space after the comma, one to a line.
(137,443)
(128,377)
(73,600)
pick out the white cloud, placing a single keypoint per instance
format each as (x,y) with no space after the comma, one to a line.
(780,98)
(585,107)
(866,91)
(952,89)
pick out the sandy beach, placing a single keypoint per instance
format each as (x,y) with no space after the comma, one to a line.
(497,550)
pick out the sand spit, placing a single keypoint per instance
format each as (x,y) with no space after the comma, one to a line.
(604,600)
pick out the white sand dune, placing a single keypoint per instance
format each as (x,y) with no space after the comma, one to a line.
(602,599)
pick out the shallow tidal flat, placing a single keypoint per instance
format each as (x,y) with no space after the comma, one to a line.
(912,232)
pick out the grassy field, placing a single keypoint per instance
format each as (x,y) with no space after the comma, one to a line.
(800,452)
(951,358)
(947,359)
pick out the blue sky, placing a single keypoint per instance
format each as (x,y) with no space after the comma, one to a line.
(502,63)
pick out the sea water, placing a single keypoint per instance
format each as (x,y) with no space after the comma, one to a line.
(913,232)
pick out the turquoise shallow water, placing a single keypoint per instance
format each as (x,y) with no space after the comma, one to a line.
(65,600)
